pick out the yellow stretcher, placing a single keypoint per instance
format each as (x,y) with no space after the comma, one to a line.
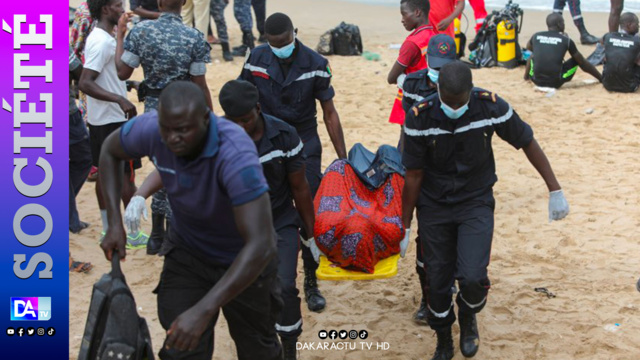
(384,269)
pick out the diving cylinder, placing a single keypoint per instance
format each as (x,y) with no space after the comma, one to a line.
(506,33)
(456,29)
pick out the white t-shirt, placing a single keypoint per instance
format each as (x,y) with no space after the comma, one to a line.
(99,55)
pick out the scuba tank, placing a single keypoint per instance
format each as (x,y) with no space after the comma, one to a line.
(506,33)
(456,29)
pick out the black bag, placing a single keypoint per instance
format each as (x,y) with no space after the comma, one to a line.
(114,330)
(345,40)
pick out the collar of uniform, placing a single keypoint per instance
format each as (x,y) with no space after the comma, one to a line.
(213,140)
(269,128)
(302,61)
(421,28)
(170,16)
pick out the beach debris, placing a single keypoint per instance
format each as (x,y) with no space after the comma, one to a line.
(371,56)
(545,291)
(549,90)
(612,327)
(395,46)
(589,111)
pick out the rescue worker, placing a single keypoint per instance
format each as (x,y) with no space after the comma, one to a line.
(546,66)
(621,71)
(450,177)
(290,77)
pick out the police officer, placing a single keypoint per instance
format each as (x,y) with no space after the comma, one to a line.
(546,66)
(168,51)
(290,77)
(417,86)
(242,13)
(216,10)
(450,176)
(282,158)
(622,53)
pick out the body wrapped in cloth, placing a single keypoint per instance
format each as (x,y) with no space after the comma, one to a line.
(359,208)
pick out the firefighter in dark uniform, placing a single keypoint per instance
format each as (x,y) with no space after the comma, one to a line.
(282,157)
(290,77)
(417,86)
(450,176)
(546,66)
(621,71)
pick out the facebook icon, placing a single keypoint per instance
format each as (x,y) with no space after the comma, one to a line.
(30,308)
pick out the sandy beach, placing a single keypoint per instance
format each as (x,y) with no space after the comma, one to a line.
(589,260)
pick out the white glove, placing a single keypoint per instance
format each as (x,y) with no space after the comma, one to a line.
(404,244)
(315,251)
(400,80)
(558,205)
(132,214)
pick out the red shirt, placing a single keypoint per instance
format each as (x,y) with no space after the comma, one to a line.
(414,48)
(440,9)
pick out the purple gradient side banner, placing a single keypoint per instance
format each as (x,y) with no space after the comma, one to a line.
(34,158)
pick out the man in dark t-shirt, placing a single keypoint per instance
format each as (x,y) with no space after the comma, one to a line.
(546,66)
(622,56)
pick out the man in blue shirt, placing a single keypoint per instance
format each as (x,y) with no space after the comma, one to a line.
(290,77)
(221,251)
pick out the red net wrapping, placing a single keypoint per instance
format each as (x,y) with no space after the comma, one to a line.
(355,226)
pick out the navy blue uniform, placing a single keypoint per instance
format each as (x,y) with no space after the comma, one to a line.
(416,87)
(281,153)
(455,206)
(292,98)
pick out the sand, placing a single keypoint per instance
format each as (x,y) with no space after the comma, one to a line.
(589,260)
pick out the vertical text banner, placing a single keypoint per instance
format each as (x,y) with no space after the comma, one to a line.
(34,155)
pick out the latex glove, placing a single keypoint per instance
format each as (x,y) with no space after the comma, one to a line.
(404,244)
(133,212)
(400,80)
(315,251)
(558,205)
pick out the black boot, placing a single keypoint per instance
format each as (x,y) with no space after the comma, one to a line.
(588,39)
(247,44)
(420,316)
(469,337)
(289,348)
(313,297)
(226,53)
(157,234)
(444,349)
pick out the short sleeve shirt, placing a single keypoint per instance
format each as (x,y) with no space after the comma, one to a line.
(100,57)
(410,54)
(456,155)
(281,153)
(203,192)
(167,50)
(549,50)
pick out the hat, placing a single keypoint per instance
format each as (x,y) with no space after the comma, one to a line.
(441,51)
(238,97)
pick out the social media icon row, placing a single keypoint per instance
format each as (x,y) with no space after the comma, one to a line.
(30,331)
(343,334)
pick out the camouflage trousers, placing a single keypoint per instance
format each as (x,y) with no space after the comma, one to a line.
(216,11)
(242,12)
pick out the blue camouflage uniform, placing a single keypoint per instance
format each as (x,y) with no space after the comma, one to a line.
(216,10)
(168,51)
(292,98)
(242,12)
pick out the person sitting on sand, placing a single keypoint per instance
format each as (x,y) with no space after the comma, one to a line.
(546,66)
(621,71)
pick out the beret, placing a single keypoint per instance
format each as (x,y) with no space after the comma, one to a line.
(238,97)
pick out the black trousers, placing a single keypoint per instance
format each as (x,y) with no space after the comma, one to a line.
(289,324)
(251,316)
(313,151)
(456,245)
(260,10)
(79,164)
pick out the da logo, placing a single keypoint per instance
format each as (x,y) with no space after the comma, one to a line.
(30,308)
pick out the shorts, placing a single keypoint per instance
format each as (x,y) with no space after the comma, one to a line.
(97,135)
